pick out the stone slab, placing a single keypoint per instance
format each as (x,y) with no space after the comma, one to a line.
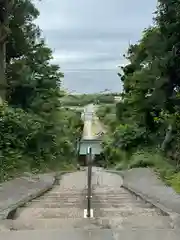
(21,190)
(145,183)
(58,234)
(92,234)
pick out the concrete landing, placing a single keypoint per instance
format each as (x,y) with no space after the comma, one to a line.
(58,235)
(105,234)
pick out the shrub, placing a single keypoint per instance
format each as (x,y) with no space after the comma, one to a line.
(30,143)
(18,128)
(127,137)
(174,181)
(149,158)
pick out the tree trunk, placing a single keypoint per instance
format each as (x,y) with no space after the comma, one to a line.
(4,31)
(168,138)
(2,72)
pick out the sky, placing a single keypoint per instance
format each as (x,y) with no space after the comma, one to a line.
(89,38)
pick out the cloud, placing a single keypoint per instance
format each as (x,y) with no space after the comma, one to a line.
(92,80)
(85,60)
(89,37)
(67,56)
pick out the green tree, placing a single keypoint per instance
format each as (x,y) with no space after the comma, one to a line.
(150,97)
(5,10)
(46,133)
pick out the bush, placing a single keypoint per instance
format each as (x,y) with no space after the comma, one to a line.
(30,143)
(161,166)
(122,165)
(127,137)
(149,158)
(174,181)
(17,130)
(113,156)
(138,161)
(142,159)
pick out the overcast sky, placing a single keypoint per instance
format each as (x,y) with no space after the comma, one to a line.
(89,37)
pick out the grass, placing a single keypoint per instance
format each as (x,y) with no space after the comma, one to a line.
(174,181)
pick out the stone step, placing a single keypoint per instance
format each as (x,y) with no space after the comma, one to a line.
(47,200)
(95,204)
(53,204)
(148,222)
(80,204)
(61,197)
(111,190)
(84,193)
(78,195)
(59,194)
(69,200)
(126,211)
(117,200)
(115,193)
(131,222)
(56,234)
(114,196)
(41,212)
(94,198)
(75,212)
(135,222)
(65,193)
(120,198)
(119,205)
(55,199)
(53,223)
(145,234)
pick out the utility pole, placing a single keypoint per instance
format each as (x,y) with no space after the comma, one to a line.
(5,6)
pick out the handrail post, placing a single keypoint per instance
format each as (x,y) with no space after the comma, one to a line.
(89,178)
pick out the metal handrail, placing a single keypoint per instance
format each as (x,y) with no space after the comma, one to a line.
(89,181)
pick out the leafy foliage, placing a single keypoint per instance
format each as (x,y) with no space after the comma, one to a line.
(36,132)
(148,115)
(107,114)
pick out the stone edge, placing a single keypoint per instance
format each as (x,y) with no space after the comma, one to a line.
(48,185)
(175,217)
(48,179)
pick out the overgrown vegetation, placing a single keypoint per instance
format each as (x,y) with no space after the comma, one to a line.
(147,131)
(37,134)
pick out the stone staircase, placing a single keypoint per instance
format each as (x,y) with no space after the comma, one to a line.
(122,210)
(55,209)
(65,210)
(117,213)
